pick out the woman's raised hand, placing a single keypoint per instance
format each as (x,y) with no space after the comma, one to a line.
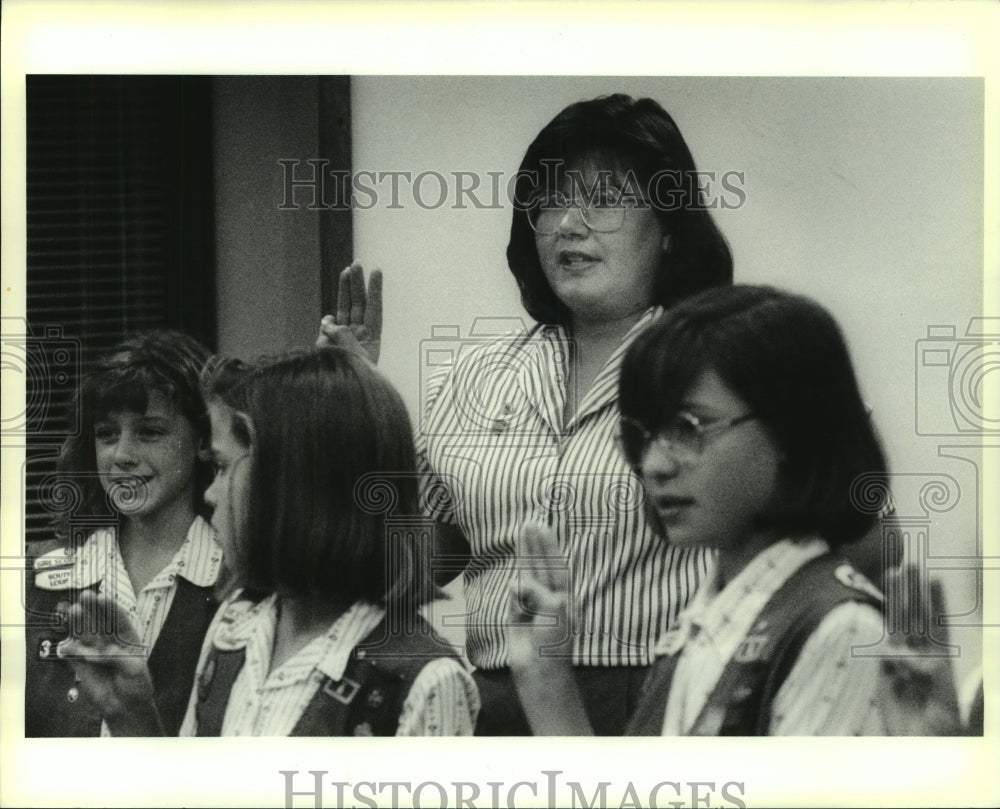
(357,325)
(110,665)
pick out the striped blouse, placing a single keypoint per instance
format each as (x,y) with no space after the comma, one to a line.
(494,452)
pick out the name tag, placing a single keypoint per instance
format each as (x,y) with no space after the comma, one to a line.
(53,559)
(54,579)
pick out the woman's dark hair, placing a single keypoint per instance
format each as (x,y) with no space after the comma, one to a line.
(331,508)
(122,380)
(785,356)
(638,137)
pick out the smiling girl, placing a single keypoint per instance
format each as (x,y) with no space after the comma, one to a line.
(137,535)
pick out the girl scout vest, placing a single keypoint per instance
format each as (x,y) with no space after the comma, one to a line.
(366,701)
(53,706)
(740,704)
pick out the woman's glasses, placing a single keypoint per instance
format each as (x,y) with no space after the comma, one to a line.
(683,436)
(604,212)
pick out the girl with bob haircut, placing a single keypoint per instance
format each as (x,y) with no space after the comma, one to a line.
(608,228)
(131,526)
(783,355)
(742,416)
(333,436)
(314,497)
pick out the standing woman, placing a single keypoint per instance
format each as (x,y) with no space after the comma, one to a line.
(609,227)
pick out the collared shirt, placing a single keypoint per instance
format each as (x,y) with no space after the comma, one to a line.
(494,452)
(443,700)
(99,560)
(198,560)
(829,691)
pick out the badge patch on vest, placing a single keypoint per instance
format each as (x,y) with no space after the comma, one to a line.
(343,690)
(849,577)
(751,648)
(675,637)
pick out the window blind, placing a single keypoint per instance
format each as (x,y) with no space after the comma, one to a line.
(119,238)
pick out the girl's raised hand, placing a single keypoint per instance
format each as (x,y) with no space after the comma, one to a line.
(357,325)
(110,665)
(537,615)
(539,638)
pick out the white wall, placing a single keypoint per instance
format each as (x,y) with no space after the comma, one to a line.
(865,193)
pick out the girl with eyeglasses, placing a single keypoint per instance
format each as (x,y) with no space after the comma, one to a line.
(609,226)
(742,416)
